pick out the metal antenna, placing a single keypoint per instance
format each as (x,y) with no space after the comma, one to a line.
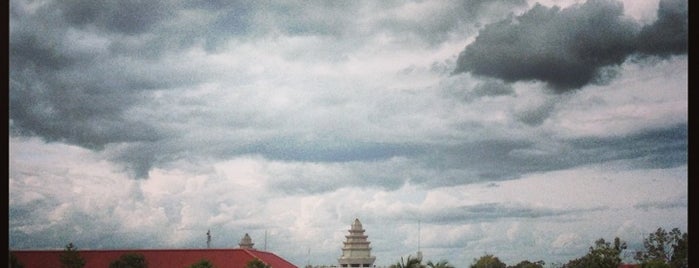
(419,253)
(418,235)
(208,238)
(308,264)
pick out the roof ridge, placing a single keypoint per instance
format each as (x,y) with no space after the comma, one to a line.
(248,251)
(277,256)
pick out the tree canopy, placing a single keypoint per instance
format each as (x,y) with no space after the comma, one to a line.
(662,247)
(488,261)
(409,262)
(70,257)
(528,264)
(202,264)
(440,264)
(256,263)
(130,260)
(602,255)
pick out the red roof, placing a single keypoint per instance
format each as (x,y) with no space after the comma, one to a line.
(156,258)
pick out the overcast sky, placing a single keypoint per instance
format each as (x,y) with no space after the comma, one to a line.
(516,128)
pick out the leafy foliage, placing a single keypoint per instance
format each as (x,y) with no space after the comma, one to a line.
(408,263)
(130,260)
(655,264)
(70,258)
(440,264)
(528,264)
(602,255)
(202,264)
(257,263)
(662,247)
(488,261)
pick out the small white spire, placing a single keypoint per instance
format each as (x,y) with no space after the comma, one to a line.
(246,242)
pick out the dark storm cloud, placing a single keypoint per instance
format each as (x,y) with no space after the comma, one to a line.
(462,88)
(492,88)
(86,97)
(82,229)
(668,204)
(64,93)
(488,160)
(316,17)
(331,151)
(437,25)
(83,114)
(81,95)
(29,50)
(88,114)
(140,157)
(572,47)
(504,160)
(128,17)
(536,115)
(668,35)
(76,97)
(659,148)
(487,212)
(61,92)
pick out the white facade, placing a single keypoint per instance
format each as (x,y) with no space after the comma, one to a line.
(356,251)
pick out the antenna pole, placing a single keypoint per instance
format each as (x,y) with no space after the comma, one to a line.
(208,238)
(419,253)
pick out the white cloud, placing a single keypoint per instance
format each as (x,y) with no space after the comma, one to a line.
(566,240)
(641,98)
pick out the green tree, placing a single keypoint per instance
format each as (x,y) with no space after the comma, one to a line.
(603,255)
(440,264)
(202,264)
(665,247)
(256,263)
(14,262)
(680,250)
(70,257)
(528,264)
(488,261)
(409,262)
(130,260)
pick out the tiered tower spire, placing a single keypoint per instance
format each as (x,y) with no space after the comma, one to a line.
(246,242)
(356,251)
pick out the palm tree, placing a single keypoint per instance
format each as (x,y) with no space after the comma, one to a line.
(440,264)
(408,263)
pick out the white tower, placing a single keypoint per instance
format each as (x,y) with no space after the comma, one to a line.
(356,251)
(246,242)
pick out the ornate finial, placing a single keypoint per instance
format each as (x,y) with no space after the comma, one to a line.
(246,242)
(357,225)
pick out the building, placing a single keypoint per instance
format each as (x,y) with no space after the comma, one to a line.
(356,251)
(159,258)
(246,242)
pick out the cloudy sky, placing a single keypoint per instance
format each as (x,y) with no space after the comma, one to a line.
(517,128)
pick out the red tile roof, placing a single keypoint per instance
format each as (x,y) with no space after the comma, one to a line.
(156,258)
